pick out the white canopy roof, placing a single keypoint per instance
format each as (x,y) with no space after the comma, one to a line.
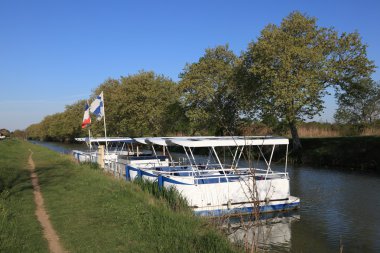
(214,141)
(108,139)
(163,141)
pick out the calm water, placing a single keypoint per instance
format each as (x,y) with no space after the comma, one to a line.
(338,208)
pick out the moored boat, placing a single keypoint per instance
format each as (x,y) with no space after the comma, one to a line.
(213,188)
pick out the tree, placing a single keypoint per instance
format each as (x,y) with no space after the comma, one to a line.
(137,105)
(209,92)
(360,105)
(290,67)
(20,134)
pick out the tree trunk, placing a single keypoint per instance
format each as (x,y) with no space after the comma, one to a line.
(297,147)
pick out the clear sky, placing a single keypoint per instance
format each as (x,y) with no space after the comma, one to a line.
(55,52)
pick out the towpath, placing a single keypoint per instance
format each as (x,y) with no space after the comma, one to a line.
(42,216)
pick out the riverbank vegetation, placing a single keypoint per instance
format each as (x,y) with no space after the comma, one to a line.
(354,153)
(92,212)
(273,87)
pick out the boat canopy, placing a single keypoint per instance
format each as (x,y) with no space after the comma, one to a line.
(214,141)
(108,139)
(196,141)
(164,141)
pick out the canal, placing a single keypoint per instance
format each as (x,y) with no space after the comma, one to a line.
(339,210)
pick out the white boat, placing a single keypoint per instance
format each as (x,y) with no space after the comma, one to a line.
(121,151)
(117,146)
(213,188)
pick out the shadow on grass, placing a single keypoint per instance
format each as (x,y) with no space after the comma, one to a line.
(52,175)
(13,182)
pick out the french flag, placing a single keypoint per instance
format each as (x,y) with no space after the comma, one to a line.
(86,116)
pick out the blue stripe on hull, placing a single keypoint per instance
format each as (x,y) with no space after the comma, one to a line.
(140,173)
(248,210)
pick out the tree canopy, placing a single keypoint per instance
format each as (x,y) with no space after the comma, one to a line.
(291,65)
(209,92)
(360,104)
(137,105)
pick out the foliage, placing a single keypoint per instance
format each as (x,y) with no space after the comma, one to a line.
(359,105)
(18,134)
(64,126)
(137,105)
(209,92)
(359,153)
(291,65)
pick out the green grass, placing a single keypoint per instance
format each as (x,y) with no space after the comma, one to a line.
(19,228)
(93,212)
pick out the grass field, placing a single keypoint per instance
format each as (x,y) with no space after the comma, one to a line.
(92,212)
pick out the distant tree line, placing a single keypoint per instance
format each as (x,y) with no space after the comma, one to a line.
(279,81)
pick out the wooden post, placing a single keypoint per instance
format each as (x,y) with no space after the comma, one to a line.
(101,156)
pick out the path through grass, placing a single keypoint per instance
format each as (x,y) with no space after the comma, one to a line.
(93,212)
(19,229)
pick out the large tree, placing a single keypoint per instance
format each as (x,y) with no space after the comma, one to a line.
(209,92)
(290,67)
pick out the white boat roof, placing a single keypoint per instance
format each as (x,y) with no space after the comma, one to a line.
(108,139)
(163,141)
(214,141)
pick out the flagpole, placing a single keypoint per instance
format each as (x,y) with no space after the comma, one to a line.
(104,120)
(89,129)
(89,138)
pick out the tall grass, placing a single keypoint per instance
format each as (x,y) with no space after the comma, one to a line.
(371,132)
(317,132)
(312,130)
(171,196)
(19,228)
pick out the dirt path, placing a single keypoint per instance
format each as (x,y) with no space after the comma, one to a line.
(49,232)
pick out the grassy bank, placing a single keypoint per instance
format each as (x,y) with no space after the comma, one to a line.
(19,228)
(358,153)
(92,212)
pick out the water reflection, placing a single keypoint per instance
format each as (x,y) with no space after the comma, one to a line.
(272,232)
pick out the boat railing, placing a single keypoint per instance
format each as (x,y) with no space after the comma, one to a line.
(229,173)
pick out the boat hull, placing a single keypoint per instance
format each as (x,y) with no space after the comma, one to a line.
(250,208)
(235,196)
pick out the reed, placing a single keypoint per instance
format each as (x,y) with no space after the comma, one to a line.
(371,131)
(171,196)
(317,132)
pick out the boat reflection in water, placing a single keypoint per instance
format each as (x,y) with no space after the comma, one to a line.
(271,232)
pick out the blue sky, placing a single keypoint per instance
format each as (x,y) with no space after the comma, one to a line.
(53,53)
